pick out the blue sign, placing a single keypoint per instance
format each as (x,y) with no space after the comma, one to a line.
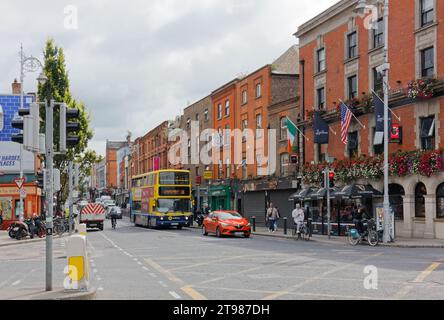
(9,106)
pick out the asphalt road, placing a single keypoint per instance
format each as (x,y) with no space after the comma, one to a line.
(138,263)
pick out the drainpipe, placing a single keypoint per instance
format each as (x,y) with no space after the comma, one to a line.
(302,99)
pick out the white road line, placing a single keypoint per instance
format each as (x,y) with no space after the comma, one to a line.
(153,275)
(175,295)
(95,271)
(16,283)
(139,263)
(100,289)
(145,268)
(135,259)
(99,279)
(163,284)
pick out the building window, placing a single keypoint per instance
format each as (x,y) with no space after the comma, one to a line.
(320,98)
(244,97)
(428,62)
(206,115)
(321,156)
(188,123)
(227,168)
(378,34)
(427,12)
(428,133)
(321,59)
(258,121)
(227,108)
(283,128)
(352,45)
(284,164)
(219,111)
(378,146)
(420,192)
(258,90)
(244,169)
(226,141)
(244,128)
(197,117)
(352,146)
(396,194)
(440,202)
(352,87)
(220,171)
(189,148)
(378,81)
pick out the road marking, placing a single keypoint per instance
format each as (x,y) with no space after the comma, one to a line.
(16,283)
(310,280)
(95,271)
(184,287)
(100,289)
(419,279)
(175,295)
(153,275)
(163,284)
(139,263)
(99,279)
(145,268)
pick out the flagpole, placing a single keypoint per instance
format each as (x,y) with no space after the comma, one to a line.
(360,123)
(399,118)
(288,119)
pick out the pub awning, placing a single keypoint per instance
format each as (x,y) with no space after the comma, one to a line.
(320,194)
(301,195)
(357,191)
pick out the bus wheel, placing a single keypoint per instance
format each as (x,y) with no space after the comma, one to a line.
(179,227)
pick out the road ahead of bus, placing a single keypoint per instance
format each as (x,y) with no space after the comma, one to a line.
(138,263)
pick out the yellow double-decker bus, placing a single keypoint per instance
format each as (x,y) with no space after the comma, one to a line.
(161,199)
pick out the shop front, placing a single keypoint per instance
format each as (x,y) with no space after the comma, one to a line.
(342,202)
(10,203)
(220,198)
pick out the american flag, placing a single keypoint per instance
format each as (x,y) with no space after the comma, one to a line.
(346,116)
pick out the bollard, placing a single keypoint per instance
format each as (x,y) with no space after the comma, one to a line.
(285,225)
(77,270)
(253,222)
(82,229)
(310,226)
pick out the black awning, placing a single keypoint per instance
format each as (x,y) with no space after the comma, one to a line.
(357,191)
(301,195)
(320,194)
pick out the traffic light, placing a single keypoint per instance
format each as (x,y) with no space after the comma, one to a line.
(68,124)
(331,179)
(29,124)
(22,124)
(41,179)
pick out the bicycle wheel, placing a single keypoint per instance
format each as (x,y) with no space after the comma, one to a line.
(373,238)
(306,234)
(353,241)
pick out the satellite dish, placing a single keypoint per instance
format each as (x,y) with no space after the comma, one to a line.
(2,118)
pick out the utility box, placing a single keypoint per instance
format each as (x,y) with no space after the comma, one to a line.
(77,269)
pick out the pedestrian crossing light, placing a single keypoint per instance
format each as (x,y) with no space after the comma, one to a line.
(331,179)
(69,125)
(21,123)
(40,179)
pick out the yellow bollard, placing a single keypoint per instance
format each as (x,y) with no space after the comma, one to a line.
(77,270)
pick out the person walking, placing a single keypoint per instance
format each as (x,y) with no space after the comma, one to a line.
(272,216)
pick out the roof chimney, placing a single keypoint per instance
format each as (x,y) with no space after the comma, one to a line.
(16,87)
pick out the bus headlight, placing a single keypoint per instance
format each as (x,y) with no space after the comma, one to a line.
(186,218)
(161,218)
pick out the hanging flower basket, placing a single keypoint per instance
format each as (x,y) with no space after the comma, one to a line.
(421,89)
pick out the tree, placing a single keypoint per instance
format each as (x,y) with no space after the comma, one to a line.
(57,88)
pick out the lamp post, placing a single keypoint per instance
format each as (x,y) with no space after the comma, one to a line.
(27,64)
(361,8)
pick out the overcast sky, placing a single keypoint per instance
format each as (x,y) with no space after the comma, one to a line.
(136,63)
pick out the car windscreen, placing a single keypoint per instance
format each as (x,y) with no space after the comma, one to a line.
(229,216)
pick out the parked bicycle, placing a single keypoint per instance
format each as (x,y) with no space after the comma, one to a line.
(370,234)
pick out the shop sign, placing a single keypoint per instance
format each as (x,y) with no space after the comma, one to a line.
(13,191)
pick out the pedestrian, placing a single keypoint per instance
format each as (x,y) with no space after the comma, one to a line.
(298,215)
(276,223)
(272,215)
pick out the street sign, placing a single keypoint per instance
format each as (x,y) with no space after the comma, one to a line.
(208,174)
(19,182)
(198,180)
(23,192)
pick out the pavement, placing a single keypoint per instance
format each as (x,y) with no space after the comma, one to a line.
(132,263)
(399,243)
(5,240)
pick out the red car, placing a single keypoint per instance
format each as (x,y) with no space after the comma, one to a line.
(226,223)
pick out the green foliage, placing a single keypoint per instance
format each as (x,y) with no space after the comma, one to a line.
(57,88)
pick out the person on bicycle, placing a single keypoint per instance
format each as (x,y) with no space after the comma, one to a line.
(113,215)
(298,215)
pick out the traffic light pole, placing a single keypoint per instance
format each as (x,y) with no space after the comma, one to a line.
(49,192)
(70,200)
(327,185)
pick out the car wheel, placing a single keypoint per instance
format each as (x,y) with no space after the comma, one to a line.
(179,227)
(204,231)
(218,234)
(247,235)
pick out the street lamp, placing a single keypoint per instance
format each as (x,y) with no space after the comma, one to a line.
(27,64)
(384,70)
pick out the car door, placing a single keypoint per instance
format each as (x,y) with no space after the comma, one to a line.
(213,222)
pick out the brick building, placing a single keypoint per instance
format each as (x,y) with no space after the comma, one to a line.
(339,57)
(150,152)
(201,112)
(111,163)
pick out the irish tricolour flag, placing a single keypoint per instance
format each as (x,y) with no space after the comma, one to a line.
(291,136)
